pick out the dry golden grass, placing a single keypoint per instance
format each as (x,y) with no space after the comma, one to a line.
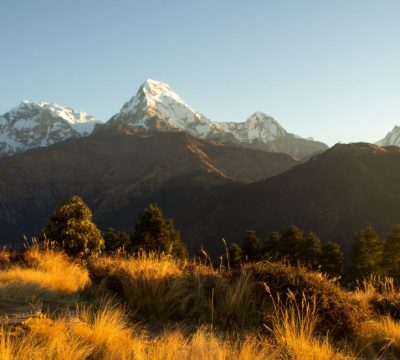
(381,336)
(161,288)
(106,334)
(293,328)
(43,276)
(190,311)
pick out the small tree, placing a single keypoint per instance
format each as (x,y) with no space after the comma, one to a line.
(365,254)
(116,240)
(291,244)
(235,255)
(155,233)
(311,251)
(251,247)
(72,229)
(272,245)
(332,259)
(391,252)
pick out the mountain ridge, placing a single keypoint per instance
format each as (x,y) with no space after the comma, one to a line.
(155,107)
(30,125)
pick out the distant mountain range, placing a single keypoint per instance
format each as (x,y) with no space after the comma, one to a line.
(155,107)
(215,179)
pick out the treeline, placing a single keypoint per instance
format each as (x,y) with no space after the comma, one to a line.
(368,254)
(293,246)
(71,229)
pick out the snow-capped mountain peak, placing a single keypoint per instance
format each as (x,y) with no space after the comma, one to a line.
(391,138)
(31,125)
(156,107)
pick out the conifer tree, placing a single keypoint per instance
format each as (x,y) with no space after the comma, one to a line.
(291,244)
(115,240)
(272,245)
(71,228)
(332,259)
(155,233)
(311,251)
(235,255)
(391,252)
(251,245)
(365,254)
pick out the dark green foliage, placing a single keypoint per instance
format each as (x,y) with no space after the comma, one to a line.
(235,255)
(291,244)
(311,251)
(332,259)
(391,253)
(155,233)
(71,228)
(115,241)
(251,245)
(365,254)
(272,245)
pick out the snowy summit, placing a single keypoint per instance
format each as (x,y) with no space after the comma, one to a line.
(31,125)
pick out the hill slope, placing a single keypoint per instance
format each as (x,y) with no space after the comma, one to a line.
(334,194)
(119,174)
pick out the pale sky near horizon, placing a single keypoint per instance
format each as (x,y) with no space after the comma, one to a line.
(326,69)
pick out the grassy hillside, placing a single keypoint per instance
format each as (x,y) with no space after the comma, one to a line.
(155,307)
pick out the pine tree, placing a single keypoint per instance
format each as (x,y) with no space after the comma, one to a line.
(155,233)
(391,252)
(251,245)
(311,251)
(291,244)
(272,245)
(71,228)
(116,240)
(365,254)
(332,259)
(235,255)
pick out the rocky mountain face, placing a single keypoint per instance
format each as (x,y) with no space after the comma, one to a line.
(391,138)
(157,108)
(119,174)
(31,125)
(334,194)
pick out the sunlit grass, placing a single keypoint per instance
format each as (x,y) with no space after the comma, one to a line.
(170,309)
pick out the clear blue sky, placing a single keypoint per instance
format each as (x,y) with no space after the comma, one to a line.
(327,69)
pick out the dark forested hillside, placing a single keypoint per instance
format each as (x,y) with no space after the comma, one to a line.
(334,194)
(118,174)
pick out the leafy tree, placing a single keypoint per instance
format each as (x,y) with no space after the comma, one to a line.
(251,245)
(291,244)
(155,233)
(391,252)
(235,254)
(332,259)
(72,229)
(365,254)
(116,240)
(311,251)
(272,245)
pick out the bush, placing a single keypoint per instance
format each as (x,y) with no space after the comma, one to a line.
(339,313)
